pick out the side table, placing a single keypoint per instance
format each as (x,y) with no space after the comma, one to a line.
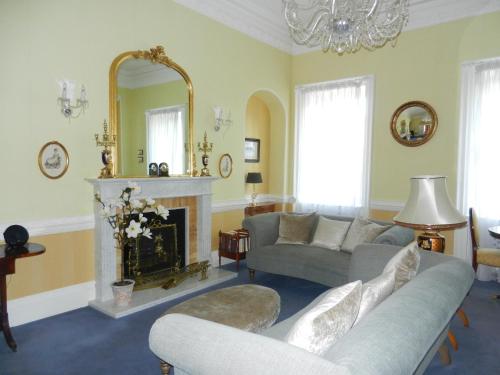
(8,256)
(260,209)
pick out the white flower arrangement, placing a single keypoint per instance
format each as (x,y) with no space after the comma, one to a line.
(126,214)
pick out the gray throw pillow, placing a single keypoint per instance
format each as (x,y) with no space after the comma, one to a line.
(405,264)
(295,228)
(361,231)
(320,327)
(330,233)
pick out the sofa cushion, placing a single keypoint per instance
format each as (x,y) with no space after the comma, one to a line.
(330,233)
(327,321)
(303,261)
(374,292)
(362,231)
(405,264)
(295,229)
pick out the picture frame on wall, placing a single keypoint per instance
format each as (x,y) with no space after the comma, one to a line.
(252,150)
(53,160)
(225,165)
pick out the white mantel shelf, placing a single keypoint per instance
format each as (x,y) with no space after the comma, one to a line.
(156,188)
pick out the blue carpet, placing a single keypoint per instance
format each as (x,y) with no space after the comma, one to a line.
(85,341)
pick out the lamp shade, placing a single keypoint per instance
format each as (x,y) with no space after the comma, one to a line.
(254,178)
(429,207)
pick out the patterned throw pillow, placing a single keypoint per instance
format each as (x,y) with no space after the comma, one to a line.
(295,228)
(330,233)
(405,264)
(374,292)
(361,231)
(333,316)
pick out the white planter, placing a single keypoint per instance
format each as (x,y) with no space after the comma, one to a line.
(123,293)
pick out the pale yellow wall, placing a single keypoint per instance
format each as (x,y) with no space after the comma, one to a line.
(258,122)
(425,65)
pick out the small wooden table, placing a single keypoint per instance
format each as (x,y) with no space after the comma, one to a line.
(260,208)
(8,256)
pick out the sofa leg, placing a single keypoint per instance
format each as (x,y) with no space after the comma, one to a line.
(453,340)
(444,354)
(251,273)
(164,367)
(461,314)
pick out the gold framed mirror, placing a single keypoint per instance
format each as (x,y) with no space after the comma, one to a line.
(414,123)
(151,113)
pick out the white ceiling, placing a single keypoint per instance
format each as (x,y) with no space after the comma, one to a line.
(263,19)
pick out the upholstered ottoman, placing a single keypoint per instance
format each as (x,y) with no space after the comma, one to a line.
(252,308)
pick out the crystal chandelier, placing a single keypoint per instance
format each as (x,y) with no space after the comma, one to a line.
(345,25)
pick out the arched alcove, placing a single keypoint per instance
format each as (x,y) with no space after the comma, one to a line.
(266,120)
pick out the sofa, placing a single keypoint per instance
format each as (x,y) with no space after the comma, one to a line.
(324,266)
(400,336)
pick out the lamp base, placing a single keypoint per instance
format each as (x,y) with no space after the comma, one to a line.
(431,241)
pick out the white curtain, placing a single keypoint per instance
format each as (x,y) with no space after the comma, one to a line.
(333,146)
(479,153)
(166,137)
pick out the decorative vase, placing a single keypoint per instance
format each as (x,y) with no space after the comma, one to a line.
(122,291)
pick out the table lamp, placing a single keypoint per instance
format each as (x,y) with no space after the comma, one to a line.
(429,208)
(254,178)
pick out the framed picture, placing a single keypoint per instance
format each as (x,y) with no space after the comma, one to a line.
(252,150)
(225,165)
(53,160)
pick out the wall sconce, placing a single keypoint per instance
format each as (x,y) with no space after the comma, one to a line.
(220,121)
(64,101)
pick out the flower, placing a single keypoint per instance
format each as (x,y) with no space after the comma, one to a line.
(125,196)
(106,212)
(147,233)
(134,187)
(136,204)
(162,211)
(116,203)
(150,201)
(142,218)
(133,229)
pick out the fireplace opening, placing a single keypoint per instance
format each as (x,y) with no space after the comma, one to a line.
(150,261)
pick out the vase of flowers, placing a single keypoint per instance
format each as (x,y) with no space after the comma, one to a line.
(126,215)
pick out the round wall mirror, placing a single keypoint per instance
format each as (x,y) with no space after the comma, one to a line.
(414,123)
(151,112)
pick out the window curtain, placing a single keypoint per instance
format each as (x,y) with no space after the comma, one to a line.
(166,137)
(333,146)
(479,153)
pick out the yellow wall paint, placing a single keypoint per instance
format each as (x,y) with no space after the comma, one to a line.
(425,65)
(68,260)
(43,42)
(133,104)
(225,221)
(258,123)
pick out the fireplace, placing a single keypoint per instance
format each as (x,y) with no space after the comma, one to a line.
(151,261)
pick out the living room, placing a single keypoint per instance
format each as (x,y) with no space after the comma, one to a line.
(247,72)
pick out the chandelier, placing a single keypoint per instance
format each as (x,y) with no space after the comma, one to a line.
(345,25)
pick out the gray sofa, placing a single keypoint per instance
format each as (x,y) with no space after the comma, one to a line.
(400,336)
(324,266)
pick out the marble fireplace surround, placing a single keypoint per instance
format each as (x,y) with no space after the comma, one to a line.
(197,191)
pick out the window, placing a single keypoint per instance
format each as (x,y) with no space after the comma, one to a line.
(479,151)
(333,146)
(166,137)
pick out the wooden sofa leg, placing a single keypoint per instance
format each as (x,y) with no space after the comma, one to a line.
(461,314)
(453,340)
(251,273)
(164,367)
(444,354)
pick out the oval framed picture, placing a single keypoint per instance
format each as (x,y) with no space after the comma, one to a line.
(53,160)
(225,165)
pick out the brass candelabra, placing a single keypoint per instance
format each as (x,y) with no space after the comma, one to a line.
(205,147)
(107,141)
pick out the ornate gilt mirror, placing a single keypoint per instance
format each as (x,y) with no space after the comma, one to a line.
(151,112)
(414,123)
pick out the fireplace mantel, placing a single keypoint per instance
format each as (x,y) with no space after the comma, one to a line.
(157,188)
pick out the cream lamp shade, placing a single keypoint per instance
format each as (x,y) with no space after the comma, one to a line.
(429,208)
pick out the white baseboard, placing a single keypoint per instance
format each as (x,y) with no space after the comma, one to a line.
(215,259)
(42,305)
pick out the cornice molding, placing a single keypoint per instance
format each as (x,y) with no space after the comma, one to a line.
(263,19)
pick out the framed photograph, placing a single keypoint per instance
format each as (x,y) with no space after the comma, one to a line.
(252,150)
(53,160)
(225,165)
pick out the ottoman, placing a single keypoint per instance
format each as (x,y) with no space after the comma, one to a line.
(252,308)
